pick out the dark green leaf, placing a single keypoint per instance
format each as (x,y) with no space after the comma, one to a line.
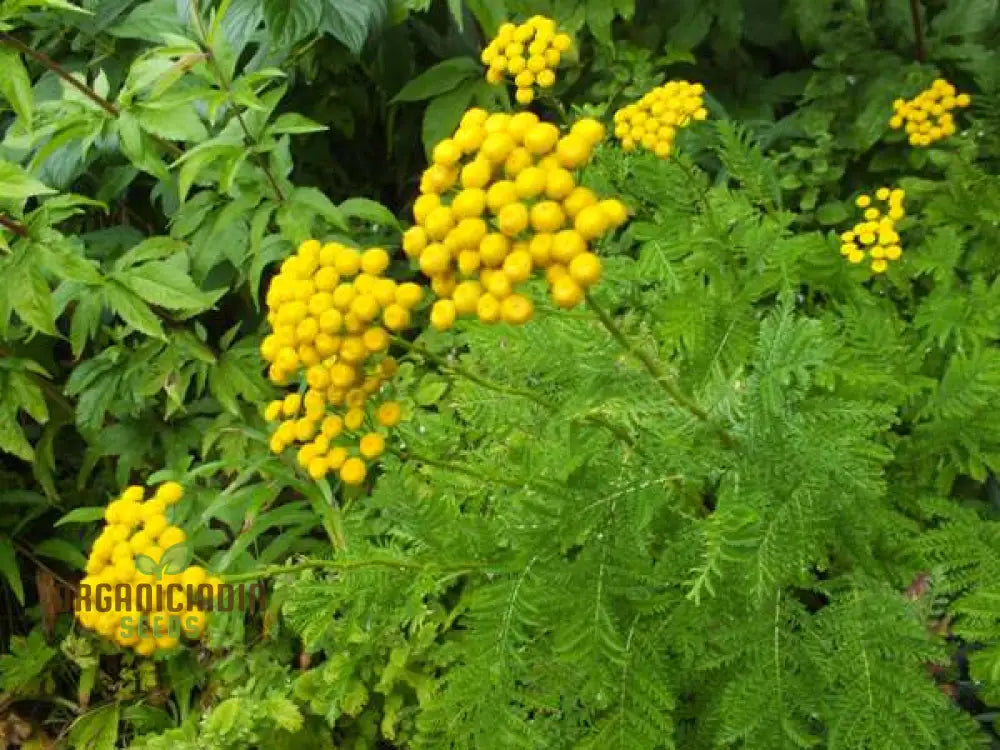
(60,549)
(82,515)
(370,211)
(10,569)
(351,22)
(443,77)
(132,309)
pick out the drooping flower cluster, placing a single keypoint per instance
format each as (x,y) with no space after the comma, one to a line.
(927,118)
(155,618)
(500,201)
(652,122)
(876,236)
(528,53)
(331,310)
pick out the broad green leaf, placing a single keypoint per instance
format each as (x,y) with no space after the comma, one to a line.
(151,248)
(150,21)
(16,184)
(832,212)
(60,549)
(430,390)
(179,123)
(132,309)
(31,298)
(444,76)
(370,211)
(10,569)
(351,22)
(444,113)
(964,17)
(12,438)
(26,662)
(293,123)
(82,515)
(290,22)
(165,284)
(15,85)
(97,730)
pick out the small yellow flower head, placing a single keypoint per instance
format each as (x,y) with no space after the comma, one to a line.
(527,54)
(652,123)
(332,311)
(927,118)
(129,557)
(876,235)
(515,210)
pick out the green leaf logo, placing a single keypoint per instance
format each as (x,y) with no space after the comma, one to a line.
(173,561)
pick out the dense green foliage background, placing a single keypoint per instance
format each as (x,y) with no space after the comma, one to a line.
(515,576)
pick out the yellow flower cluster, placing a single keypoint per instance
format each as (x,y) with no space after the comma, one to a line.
(927,117)
(500,201)
(876,236)
(654,120)
(136,527)
(528,53)
(325,307)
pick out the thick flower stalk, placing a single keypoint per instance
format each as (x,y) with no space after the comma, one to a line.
(528,54)
(652,123)
(927,118)
(501,202)
(876,237)
(129,552)
(332,310)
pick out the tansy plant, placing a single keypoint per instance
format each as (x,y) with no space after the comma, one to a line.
(672,474)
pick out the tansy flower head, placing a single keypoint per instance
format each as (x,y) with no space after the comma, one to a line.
(927,117)
(130,553)
(331,310)
(652,122)
(502,202)
(876,236)
(528,54)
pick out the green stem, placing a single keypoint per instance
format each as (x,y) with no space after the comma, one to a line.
(276,570)
(447,366)
(653,368)
(13,226)
(226,85)
(472,473)
(100,101)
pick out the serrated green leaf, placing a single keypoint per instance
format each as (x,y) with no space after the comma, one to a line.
(351,22)
(178,123)
(97,730)
(166,284)
(290,23)
(132,309)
